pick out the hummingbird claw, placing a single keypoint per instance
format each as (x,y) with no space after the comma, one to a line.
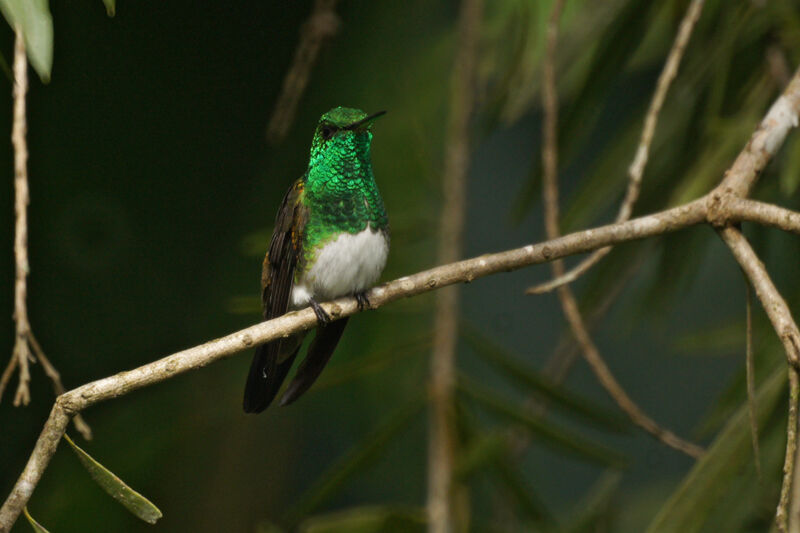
(322,316)
(363,301)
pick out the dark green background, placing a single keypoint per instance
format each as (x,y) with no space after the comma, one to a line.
(153,191)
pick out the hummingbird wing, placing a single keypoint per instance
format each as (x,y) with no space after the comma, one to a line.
(272,360)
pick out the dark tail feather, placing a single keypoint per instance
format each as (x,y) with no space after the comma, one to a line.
(267,374)
(319,353)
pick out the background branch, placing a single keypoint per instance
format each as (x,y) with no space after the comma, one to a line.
(322,24)
(568,302)
(442,425)
(636,169)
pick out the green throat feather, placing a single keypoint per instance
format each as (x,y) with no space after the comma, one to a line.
(340,190)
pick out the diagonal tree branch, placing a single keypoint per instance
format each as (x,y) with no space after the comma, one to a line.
(322,24)
(565,295)
(738,181)
(636,169)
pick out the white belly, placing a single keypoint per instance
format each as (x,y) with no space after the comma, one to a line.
(347,265)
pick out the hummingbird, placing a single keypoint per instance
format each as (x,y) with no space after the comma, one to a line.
(331,239)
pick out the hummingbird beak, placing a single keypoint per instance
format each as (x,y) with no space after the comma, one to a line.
(363,121)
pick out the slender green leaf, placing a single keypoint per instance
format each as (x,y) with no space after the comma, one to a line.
(368,519)
(550,434)
(111,7)
(479,452)
(116,488)
(595,508)
(790,172)
(688,508)
(37,527)
(528,502)
(540,385)
(355,459)
(33,18)
(711,340)
(376,361)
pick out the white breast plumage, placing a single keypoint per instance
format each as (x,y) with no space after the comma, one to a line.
(349,264)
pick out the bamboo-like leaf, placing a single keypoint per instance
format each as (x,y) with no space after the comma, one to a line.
(358,456)
(33,19)
(368,519)
(538,384)
(550,434)
(479,452)
(528,502)
(37,527)
(595,506)
(687,510)
(508,477)
(111,7)
(116,488)
(711,340)
(790,172)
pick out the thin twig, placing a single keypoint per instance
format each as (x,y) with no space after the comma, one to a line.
(21,349)
(567,350)
(442,426)
(58,388)
(322,24)
(568,302)
(786,328)
(636,169)
(782,514)
(740,178)
(772,301)
(7,373)
(751,378)
(26,347)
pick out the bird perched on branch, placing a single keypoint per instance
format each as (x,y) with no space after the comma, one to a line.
(331,239)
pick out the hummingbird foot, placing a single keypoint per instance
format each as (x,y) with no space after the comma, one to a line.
(322,316)
(363,301)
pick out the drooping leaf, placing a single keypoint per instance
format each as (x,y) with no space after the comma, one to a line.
(111,7)
(557,438)
(116,488)
(687,510)
(37,527)
(352,461)
(536,383)
(368,519)
(33,19)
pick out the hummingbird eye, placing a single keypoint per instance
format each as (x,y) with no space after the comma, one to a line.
(327,132)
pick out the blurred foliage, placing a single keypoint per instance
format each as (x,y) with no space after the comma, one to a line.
(154,191)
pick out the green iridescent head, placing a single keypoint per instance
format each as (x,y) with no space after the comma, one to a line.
(342,139)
